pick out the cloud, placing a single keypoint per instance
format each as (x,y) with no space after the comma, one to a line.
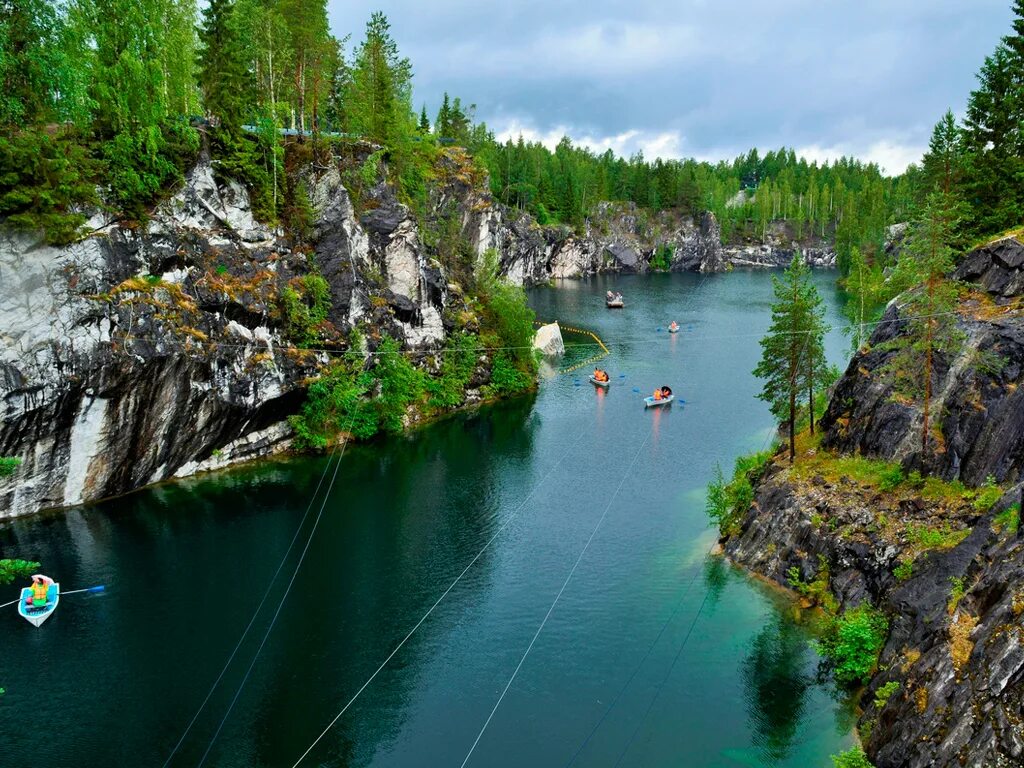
(893,158)
(696,77)
(585,51)
(667,145)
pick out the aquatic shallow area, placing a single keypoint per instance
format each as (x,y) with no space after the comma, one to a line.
(655,654)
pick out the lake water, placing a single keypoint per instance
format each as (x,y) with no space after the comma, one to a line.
(654,655)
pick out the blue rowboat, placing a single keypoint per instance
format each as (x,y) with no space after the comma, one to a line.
(650,402)
(37,615)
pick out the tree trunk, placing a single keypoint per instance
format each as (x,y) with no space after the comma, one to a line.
(927,373)
(810,391)
(792,424)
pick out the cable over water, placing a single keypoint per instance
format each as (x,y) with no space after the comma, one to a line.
(440,599)
(565,584)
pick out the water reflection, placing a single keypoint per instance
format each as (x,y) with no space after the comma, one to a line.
(716,576)
(776,683)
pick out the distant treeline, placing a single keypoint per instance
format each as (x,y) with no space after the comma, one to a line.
(106,93)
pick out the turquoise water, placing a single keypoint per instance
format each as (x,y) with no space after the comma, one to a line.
(654,655)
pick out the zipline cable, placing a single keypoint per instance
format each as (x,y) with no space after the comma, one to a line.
(263,600)
(661,685)
(689,631)
(444,594)
(679,603)
(565,584)
(288,589)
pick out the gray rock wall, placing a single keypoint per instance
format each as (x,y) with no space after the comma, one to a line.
(143,353)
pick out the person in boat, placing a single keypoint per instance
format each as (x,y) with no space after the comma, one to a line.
(673,326)
(609,296)
(658,394)
(600,375)
(666,393)
(40,592)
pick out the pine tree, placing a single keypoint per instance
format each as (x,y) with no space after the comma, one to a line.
(929,308)
(784,350)
(379,92)
(814,360)
(943,163)
(443,123)
(424,126)
(222,77)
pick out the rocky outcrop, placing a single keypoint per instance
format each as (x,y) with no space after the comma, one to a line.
(621,238)
(958,660)
(978,406)
(548,340)
(997,267)
(142,353)
(955,650)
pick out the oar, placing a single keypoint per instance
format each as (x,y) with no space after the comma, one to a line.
(100,588)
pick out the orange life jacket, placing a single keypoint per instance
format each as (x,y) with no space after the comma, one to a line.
(40,591)
(657,394)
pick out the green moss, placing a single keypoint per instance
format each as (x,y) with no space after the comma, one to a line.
(987,495)
(1008,519)
(923,537)
(8,465)
(956,594)
(904,570)
(885,692)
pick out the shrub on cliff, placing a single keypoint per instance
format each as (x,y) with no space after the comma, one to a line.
(401,385)
(853,758)
(457,364)
(305,302)
(8,465)
(728,502)
(16,569)
(851,644)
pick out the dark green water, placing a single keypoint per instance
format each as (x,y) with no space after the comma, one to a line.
(119,676)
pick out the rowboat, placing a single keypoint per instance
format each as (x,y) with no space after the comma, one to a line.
(673,329)
(598,383)
(650,402)
(615,303)
(36,616)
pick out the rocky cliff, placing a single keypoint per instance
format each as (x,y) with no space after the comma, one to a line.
(145,352)
(942,561)
(149,351)
(620,238)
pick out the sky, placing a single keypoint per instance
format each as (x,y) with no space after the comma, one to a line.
(708,79)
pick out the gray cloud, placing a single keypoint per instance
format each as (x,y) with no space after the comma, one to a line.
(703,78)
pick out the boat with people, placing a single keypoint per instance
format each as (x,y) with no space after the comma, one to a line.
(39,601)
(661,396)
(600,378)
(614,300)
(673,327)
